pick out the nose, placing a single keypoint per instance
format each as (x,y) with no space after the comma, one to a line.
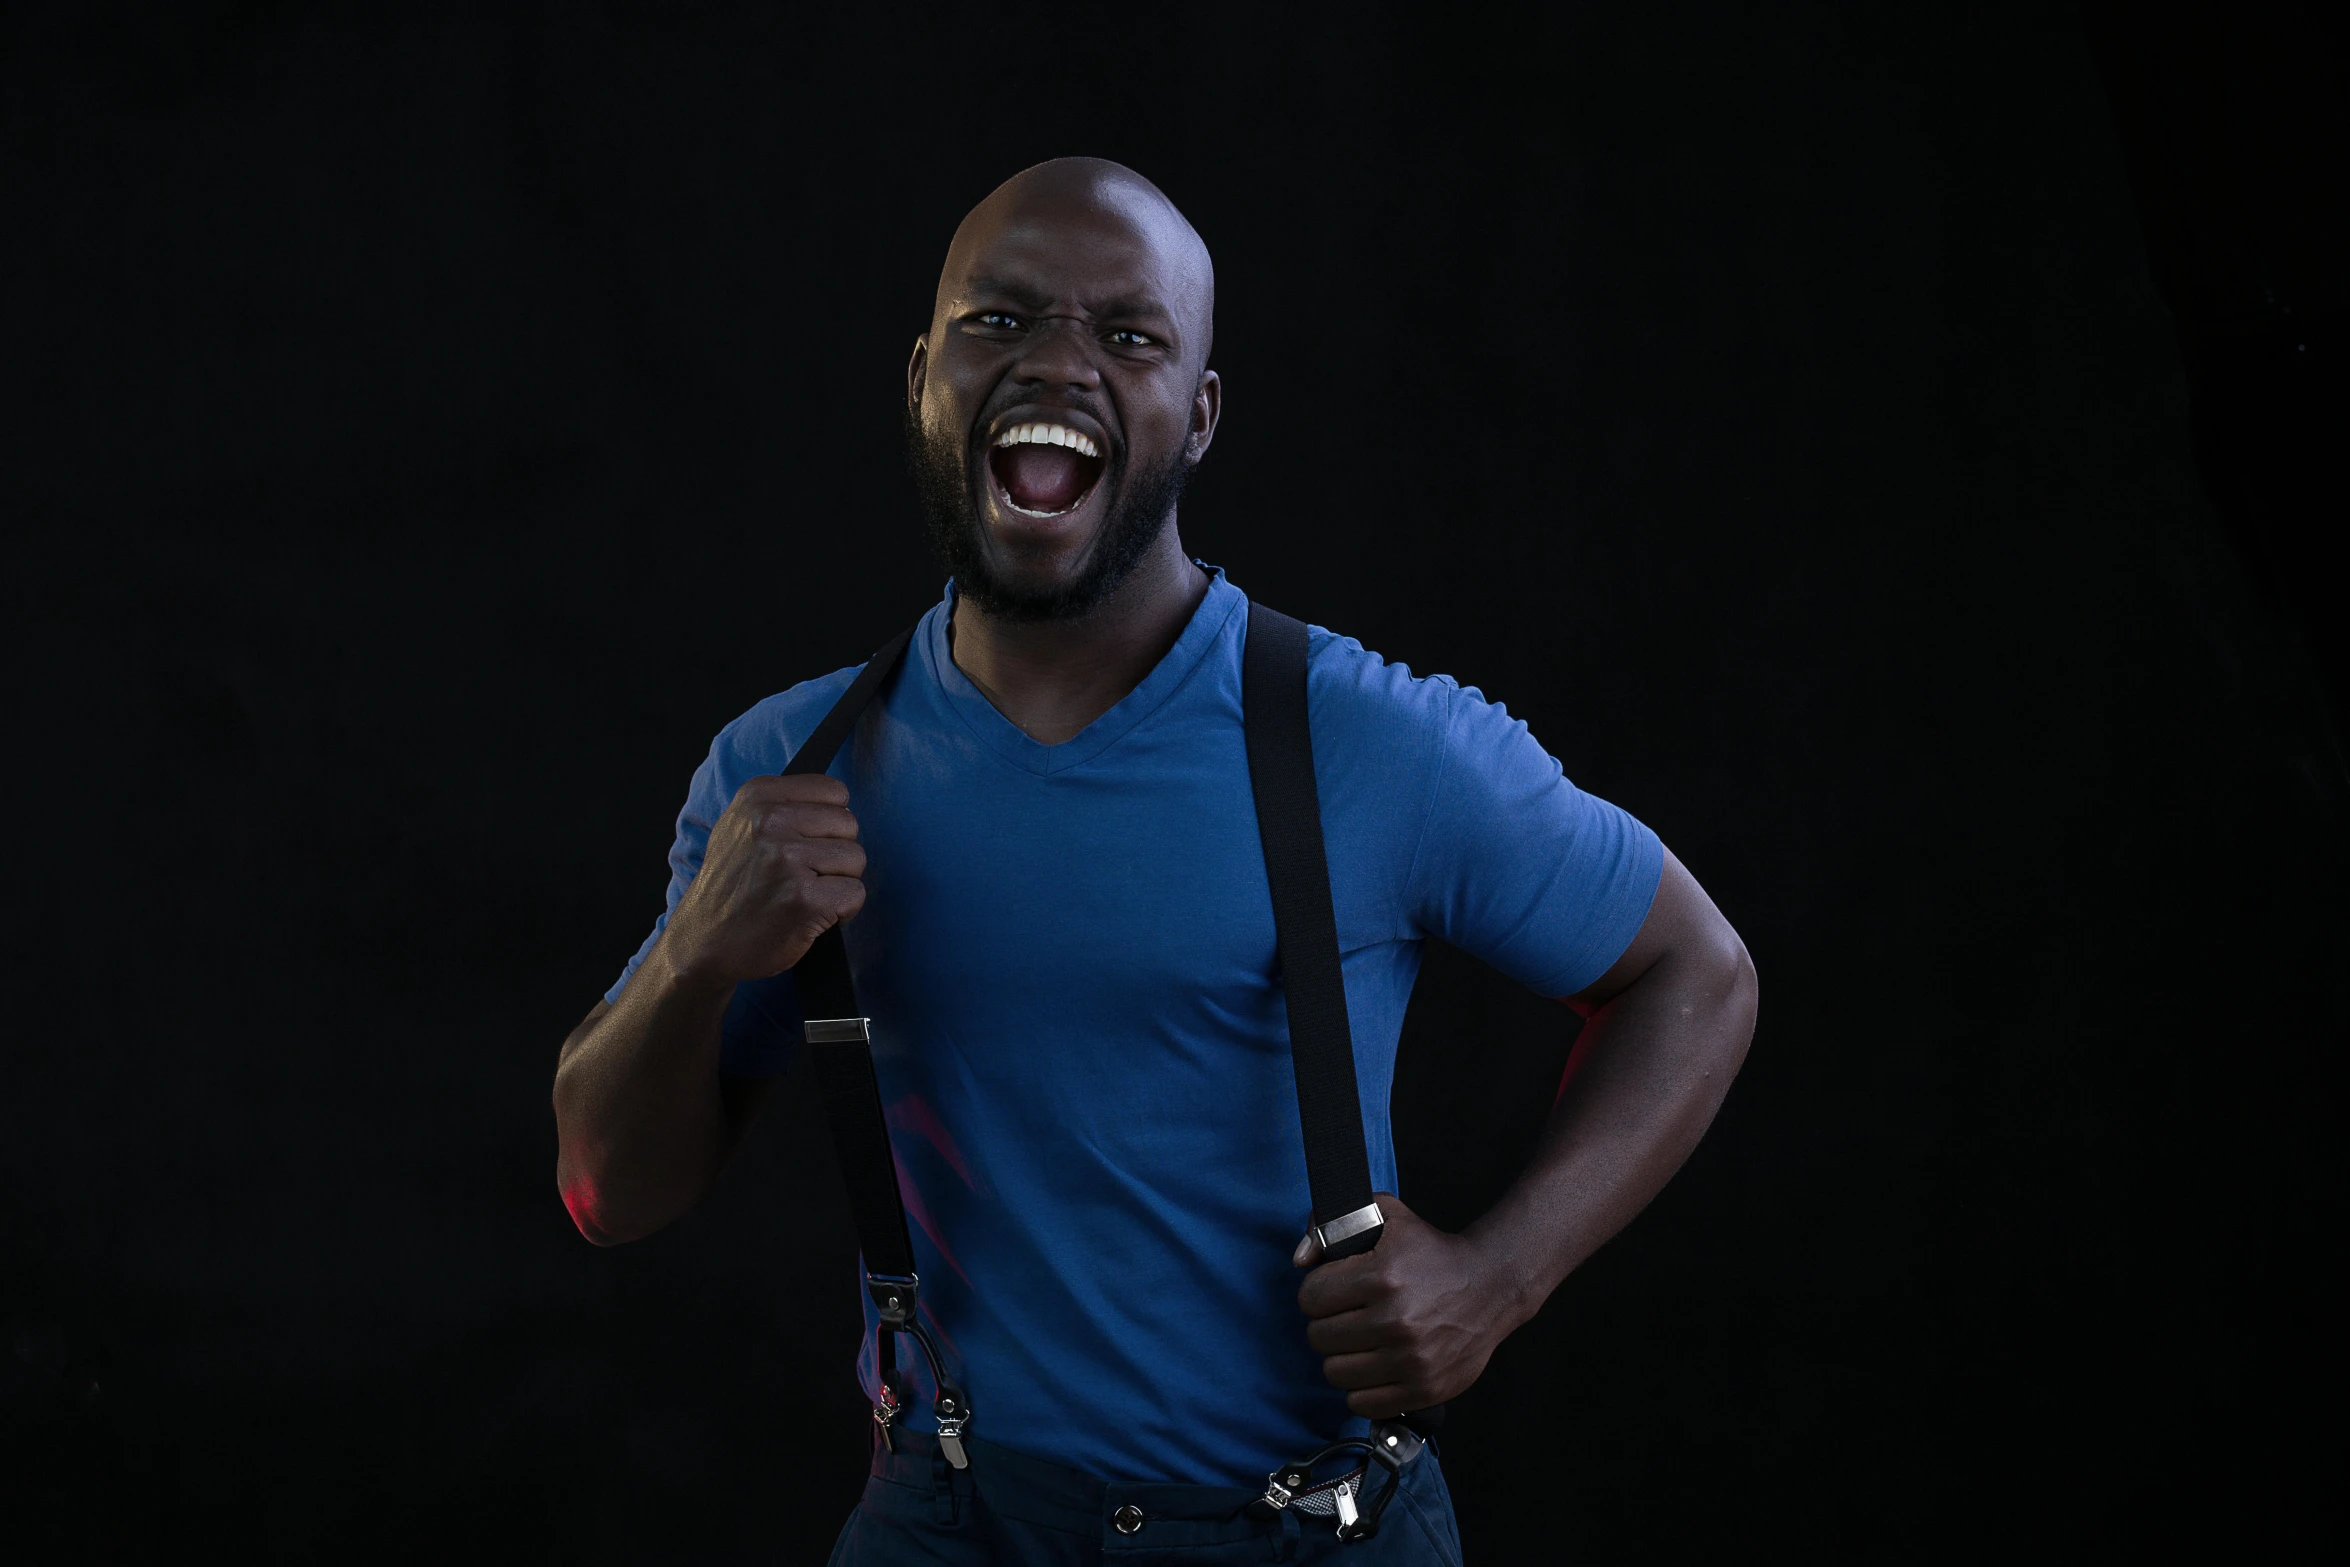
(1059,353)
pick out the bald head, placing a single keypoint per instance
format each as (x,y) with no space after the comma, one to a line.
(1076,202)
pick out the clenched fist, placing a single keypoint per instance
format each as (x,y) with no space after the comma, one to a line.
(782,867)
(1410,1324)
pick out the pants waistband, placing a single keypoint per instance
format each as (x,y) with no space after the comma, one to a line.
(1118,1513)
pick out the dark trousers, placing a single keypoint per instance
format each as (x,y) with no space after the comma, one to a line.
(1018,1511)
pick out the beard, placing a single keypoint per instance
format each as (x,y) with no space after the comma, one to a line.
(951,508)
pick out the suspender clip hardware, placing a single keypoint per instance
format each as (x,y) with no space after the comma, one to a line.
(952,1416)
(1394,1444)
(895,1295)
(1282,1486)
(1351,1234)
(1348,1499)
(1348,1518)
(838,1030)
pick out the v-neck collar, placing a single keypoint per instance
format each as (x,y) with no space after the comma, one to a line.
(1016,746)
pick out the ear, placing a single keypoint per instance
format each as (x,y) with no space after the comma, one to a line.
(917,372)
(1206,404)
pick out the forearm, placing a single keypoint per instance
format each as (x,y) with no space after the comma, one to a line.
(639,1119)
(1646,1076)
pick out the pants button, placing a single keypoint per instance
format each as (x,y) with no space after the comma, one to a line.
(1128,1519)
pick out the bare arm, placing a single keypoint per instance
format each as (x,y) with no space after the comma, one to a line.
(1413,1322)
(643,1121)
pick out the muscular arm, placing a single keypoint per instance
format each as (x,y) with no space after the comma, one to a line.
(1413,1322)
(643,1121)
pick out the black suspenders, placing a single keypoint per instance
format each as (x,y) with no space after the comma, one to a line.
(1289,824)
(840,1040)
(1338,1169)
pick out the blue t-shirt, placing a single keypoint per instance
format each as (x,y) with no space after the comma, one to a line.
(1067,953)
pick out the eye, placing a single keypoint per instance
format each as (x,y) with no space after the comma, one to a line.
(1127,337)
(999,320)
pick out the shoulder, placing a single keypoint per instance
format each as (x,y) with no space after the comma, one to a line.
(1380,730)
(757,742)
(1363,701)
(1354,690)
(762,739)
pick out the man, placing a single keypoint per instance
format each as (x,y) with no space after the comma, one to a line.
(1042,845)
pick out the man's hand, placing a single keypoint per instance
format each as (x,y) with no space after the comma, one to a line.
(1412,1322)
(1409,1323)
(643,1121)
(783,866)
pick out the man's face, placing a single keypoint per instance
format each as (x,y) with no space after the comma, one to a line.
(1058,402)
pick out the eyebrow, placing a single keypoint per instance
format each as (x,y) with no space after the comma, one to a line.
(1003,288)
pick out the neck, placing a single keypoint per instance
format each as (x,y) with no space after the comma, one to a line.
(1052,678)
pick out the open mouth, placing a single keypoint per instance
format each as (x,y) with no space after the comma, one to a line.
(1044,469)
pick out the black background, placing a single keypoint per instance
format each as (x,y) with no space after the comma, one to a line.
(1870,444)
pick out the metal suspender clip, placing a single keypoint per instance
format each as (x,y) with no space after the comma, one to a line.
(896,1299)
(1350,1233)
(950,1428)
(1391,1445)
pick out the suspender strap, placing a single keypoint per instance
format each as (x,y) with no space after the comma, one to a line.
(1289,826)
(817,752)
(840,1040)
(860,1139)
(1321,1045)
(822,977)
(836,1032)
(1289,822)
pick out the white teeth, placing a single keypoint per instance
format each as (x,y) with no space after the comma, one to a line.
(1049,435)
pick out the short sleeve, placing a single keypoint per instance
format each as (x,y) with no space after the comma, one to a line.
(1521,868)
(761,1030)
